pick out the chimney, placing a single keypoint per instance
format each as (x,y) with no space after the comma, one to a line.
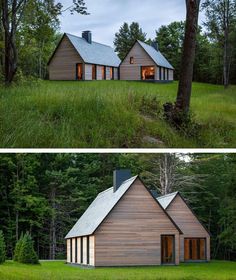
(119,176)
(155,45)
(87,35)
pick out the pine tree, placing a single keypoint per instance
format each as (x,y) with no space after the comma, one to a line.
(126,37)
(2,248)
(26,252)
(18,248)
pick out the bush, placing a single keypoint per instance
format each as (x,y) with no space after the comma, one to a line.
(26,252)
(18,248)
(2,248)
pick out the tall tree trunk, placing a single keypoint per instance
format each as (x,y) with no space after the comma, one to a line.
(188,56)
(167,171)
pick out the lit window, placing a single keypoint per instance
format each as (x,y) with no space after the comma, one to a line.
(131,60)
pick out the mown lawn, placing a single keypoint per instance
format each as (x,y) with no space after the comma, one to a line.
(112,114)
(217,270)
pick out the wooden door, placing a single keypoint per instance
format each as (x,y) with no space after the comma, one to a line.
(167,249)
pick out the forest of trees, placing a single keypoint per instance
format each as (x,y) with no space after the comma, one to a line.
(45,194)
(37,32)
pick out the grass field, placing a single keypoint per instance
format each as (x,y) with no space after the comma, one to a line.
(217,270)
(112,114)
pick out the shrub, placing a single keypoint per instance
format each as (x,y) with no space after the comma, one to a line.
(2,248)
(26,252)
(18,248)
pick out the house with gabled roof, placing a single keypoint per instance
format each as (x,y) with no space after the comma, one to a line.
(125,226)
(146,63)
(82,59)
(195,240)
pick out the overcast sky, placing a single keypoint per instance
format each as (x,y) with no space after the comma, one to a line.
(106,17)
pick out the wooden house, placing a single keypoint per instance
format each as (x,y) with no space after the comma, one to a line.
(146,63)
(78,58)
(127,226)
(195,240)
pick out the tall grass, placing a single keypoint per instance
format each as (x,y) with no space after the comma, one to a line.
(109,114)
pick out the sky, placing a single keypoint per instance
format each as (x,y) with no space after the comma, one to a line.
(106,17)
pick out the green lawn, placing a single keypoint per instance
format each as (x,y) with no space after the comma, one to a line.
(217,270)
(111,114)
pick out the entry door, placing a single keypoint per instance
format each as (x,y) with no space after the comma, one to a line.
(167,249)
(79,71)
(195,249)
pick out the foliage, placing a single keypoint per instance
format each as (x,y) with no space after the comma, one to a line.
(17,250)
(126,37)
(26,251)
(216,270)
(69,114)
(68,183)
(2,248)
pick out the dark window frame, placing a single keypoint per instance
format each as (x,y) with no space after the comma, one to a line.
(76,250)
(71,250)
(88,246)
(81,249)
(131,60)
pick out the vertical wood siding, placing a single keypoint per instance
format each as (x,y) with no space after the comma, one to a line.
(116,74)
(84,250)
(188,223)
(73,250)
(78,250)
(88,72)
(131,233)
(133,71)
(63,64)
(91,249)
(171,75)
(108,73)
(68,250)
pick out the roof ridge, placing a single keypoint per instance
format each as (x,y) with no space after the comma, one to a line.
(165,195)
(104,191)
(85,40)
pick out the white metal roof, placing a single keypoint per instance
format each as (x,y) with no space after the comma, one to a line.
(98,210)
(165,200)
(94,53)
(156,56)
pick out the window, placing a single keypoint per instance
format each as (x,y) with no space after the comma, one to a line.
(194,249)
(131,60)
(160,69)
(103,72)
(71,250)
(79,71)
(148,73)
(111,73)
(167,74)
(81,250)
(75,250)
(87,249)
(94,72)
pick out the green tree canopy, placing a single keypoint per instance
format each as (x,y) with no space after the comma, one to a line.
(126,37)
